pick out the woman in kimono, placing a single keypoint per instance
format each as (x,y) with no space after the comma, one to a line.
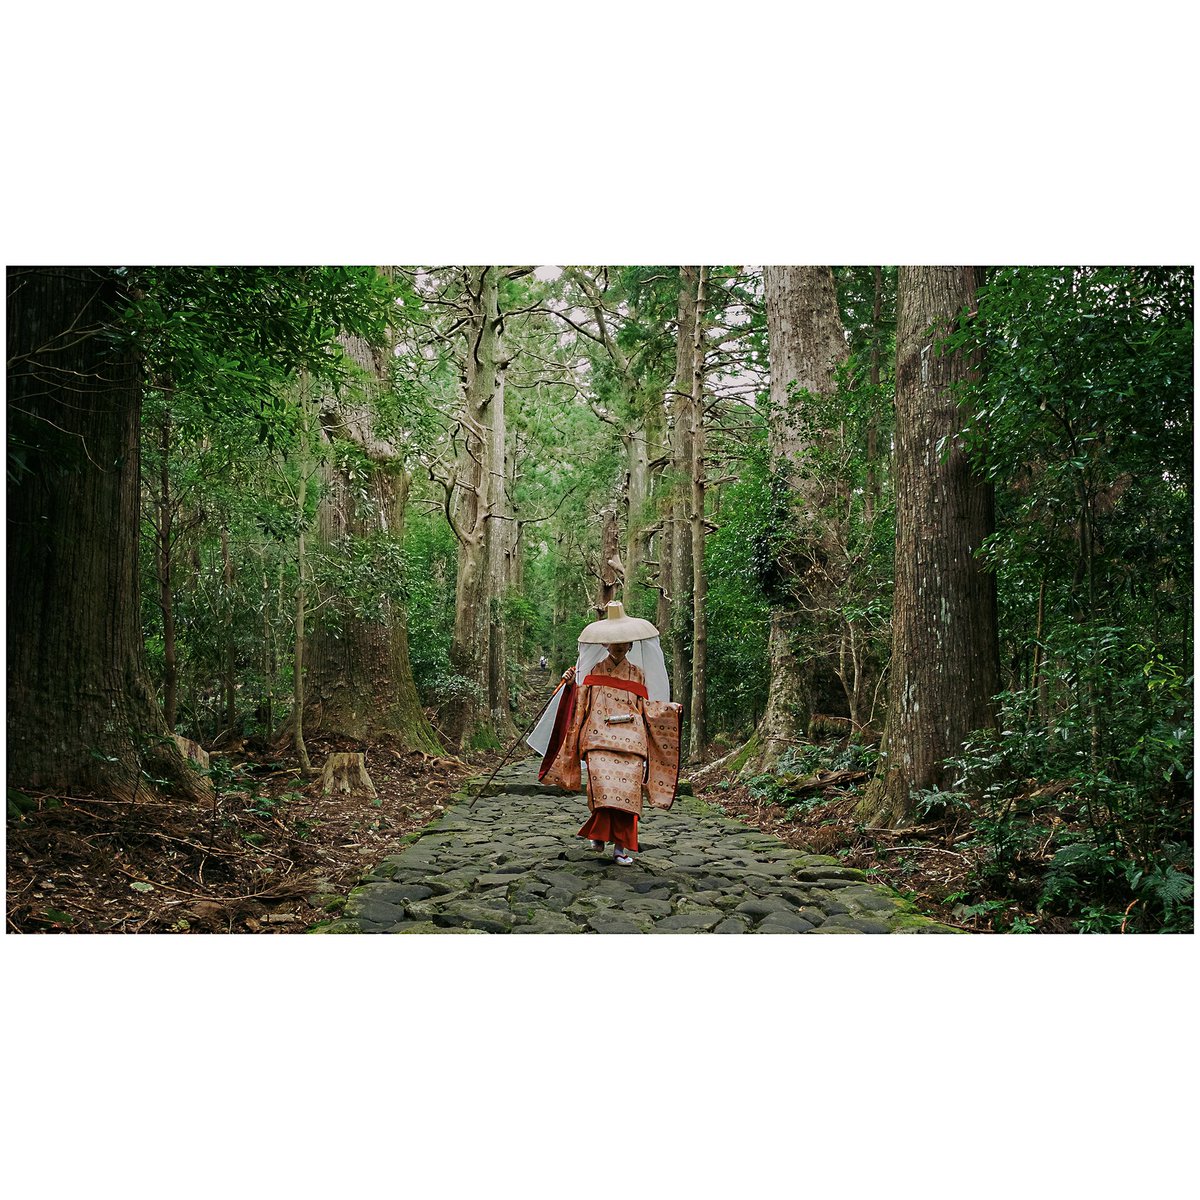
(613,714)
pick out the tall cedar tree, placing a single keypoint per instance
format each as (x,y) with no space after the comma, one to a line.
(476,508)
(807,344)
(945,658)
(82,712)
(360,683)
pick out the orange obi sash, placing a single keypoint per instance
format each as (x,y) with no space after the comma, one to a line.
(625,685)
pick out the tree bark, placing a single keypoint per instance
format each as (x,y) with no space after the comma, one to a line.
(871,500)
(945,656)
(610,557)
(360,683)
(82,713)
(637,496)
(500,544)
(301,595)
(229,686)
(473,500)
(680,493)
(347,773)
(807,343)
(698,732)
(658,546)
(166,589)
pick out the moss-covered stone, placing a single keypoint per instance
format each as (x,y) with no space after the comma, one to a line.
(907,920)
(430,927)
(336,927)
(548,922)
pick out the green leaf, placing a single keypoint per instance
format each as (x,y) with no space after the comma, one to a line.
(57,916)
(139,886)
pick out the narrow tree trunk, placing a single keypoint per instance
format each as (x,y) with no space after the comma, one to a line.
(301,579)
(166,593)
(230,673)
(699,580)
(609,558)
(1036,684)
(681,470)
(871,501)
(945,658)
(498,537)
(557,665)
(82,713)
(657,552)
(515,581)
(637,495)
(266,713)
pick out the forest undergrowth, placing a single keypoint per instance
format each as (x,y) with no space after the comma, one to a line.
(1030,866)
(272,855)
(275,856)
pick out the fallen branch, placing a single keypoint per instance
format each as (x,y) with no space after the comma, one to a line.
(820,781)
(925,849)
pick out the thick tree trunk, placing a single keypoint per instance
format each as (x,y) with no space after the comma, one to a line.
(360,682)
(82,713)
(945,657)
(807,343)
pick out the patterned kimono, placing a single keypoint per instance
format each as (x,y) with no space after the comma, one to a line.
(630,744)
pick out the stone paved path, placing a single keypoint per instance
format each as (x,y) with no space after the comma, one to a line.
(513,864)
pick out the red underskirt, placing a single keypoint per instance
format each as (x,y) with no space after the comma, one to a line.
(612,825)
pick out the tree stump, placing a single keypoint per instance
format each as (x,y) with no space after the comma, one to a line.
(192,751)
(347,773)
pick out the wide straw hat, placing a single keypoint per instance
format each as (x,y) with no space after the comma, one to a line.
(617,627)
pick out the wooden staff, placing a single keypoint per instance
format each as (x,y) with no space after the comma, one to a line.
(520,738)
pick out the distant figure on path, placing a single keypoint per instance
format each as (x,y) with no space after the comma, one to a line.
(613,712)
(542,663)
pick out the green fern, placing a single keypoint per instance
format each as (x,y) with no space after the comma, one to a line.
(1169,887)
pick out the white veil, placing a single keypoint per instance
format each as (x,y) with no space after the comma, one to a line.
(646,654)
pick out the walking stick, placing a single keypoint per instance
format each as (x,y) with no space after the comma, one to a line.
(520,738)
